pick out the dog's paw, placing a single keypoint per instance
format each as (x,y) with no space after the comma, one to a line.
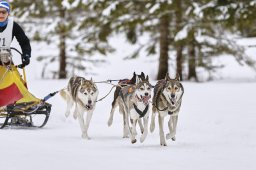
(84,136)
(163,144)
(162,141)
(170,136)
(67,114)
(134,141)
(75,116)
(142,138)
(125,133)
(110,121)
(152,128)
(125,136)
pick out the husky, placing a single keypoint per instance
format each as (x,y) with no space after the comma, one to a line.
(134,104)
(167,102)
(82,94)
(136,78)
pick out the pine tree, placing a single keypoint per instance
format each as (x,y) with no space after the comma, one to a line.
(68,25)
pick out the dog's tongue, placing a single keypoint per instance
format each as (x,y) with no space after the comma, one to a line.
(89,106)
(145,99)
(173,100)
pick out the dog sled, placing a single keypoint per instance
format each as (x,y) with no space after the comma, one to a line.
(18,107)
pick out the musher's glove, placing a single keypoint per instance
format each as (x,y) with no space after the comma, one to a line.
(25,60)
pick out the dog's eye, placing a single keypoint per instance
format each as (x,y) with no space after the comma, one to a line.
(141,88)
(92,93)
(169,88)
(176,88)
(85,93)
(148,88)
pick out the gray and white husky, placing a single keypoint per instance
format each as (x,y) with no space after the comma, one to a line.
(167,102)
(133,102)
(136,78)
(82,94)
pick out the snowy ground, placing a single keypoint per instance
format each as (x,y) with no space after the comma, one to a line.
(216,129)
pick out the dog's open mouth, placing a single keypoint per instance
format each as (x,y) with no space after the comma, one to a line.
(173,100)
(89,107)
(145,99)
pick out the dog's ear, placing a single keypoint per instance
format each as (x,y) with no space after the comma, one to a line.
(167,77)
(177,77)
(142,76)
(147,78)
(137,80)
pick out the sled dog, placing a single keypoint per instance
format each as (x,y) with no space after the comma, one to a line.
(133,102)
(136,78)
(167,102)
(82,94)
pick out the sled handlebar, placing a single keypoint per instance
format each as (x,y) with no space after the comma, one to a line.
(20,65)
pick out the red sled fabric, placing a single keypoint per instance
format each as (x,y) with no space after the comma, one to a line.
(9,95)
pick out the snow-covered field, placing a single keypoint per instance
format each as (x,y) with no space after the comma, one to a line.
(216,128)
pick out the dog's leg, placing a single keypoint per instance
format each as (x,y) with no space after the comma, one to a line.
(141,126)
(161,130)
(172,127)
(70,103)
(134,133)
(152,124)
(75,112)
(175,121)
(127,111)
(81,123)
(125,130)
(87,123)
(145,132)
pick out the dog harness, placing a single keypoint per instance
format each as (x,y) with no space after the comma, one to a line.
(142,114)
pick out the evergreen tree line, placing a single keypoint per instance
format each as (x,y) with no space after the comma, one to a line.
(196,30)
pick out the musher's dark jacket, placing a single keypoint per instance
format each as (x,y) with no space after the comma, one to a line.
(21,37)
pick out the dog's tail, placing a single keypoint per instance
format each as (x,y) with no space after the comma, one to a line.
(63,94)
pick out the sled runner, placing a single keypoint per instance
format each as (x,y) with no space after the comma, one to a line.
(18,107)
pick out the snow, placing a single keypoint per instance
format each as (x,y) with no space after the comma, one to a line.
(182,34)
(216,127)
(108,10)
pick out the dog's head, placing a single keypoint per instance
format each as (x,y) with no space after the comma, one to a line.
(143,90)
(88,94)
(173,89)
(136,78)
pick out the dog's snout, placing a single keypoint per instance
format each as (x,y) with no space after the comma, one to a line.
(89,102)
(172,95)
(146,94)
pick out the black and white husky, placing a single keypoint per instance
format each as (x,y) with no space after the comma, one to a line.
(167,102)
(133,102)
(82,94)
